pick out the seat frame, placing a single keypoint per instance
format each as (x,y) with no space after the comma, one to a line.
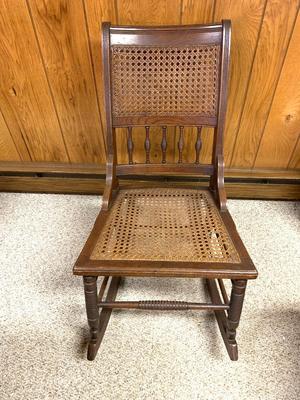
(227,310)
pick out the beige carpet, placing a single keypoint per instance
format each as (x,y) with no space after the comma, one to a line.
(163,356)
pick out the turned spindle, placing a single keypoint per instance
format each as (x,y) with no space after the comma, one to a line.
(147,144)
(164,144)
(180,144)
(198,144)
(129,145)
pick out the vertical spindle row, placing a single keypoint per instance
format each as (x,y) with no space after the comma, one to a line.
(147,144)
(180,144)
(164,144)
(129,145)
(198,144)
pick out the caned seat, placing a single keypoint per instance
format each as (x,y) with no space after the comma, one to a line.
(165,77)
(165,225)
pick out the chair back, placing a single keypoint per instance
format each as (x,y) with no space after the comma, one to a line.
(165,76)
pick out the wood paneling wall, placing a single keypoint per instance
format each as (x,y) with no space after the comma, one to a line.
(51,91)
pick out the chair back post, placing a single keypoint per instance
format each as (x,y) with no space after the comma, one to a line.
(217,180)
(111,151)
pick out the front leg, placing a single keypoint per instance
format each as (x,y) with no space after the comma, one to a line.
(235,308)
(90,291)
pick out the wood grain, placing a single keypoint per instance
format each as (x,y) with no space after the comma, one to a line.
(283,126)
(8,149)
(51,91)
(197,12)
(95,186)
(243,45)
(295,158)
(274,37)
(62,34)
(96,13)
(148,12)
(67,169)
(25,99)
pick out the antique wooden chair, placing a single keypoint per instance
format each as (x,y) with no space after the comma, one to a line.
(165,76)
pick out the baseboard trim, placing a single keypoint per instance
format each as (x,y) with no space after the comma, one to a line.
(90,179)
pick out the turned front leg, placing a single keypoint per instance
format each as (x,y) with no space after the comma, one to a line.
(235,307)
(90,291)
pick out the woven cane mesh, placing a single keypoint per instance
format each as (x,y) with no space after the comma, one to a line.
(160,81)
(165,225)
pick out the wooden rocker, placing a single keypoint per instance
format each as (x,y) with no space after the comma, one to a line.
(165,76)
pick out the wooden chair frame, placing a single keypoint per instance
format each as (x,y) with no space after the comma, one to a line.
(227,310)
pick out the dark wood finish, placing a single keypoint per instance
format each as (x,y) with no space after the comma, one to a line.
(147,144)
(90,291)
(164,144)
(168,121)
(102,289)
(130,145)
(163,305)
(209,110)
(223,291)
(24,167)
(231,346)
(180,144)
(146,169)
(103,318)
(95,185)
(198,144)
(162,36)
(111,179)
(235,309)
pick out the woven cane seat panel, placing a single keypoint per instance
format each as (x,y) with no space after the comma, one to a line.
(165,225)
(160,81)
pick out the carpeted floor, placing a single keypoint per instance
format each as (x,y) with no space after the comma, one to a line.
(143,356)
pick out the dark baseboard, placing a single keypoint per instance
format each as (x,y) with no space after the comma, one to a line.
(90,179)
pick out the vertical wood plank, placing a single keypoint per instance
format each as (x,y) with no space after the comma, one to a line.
(8,150)
(274,37)
(62,34)
(96,13)
(25,99)
(246,17)
(283,125)
(51,80)
(150,12)
(197,12)
(295,158)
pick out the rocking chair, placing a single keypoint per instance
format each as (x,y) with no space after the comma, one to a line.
(165,76)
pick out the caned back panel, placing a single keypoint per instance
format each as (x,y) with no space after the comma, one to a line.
(165,75)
